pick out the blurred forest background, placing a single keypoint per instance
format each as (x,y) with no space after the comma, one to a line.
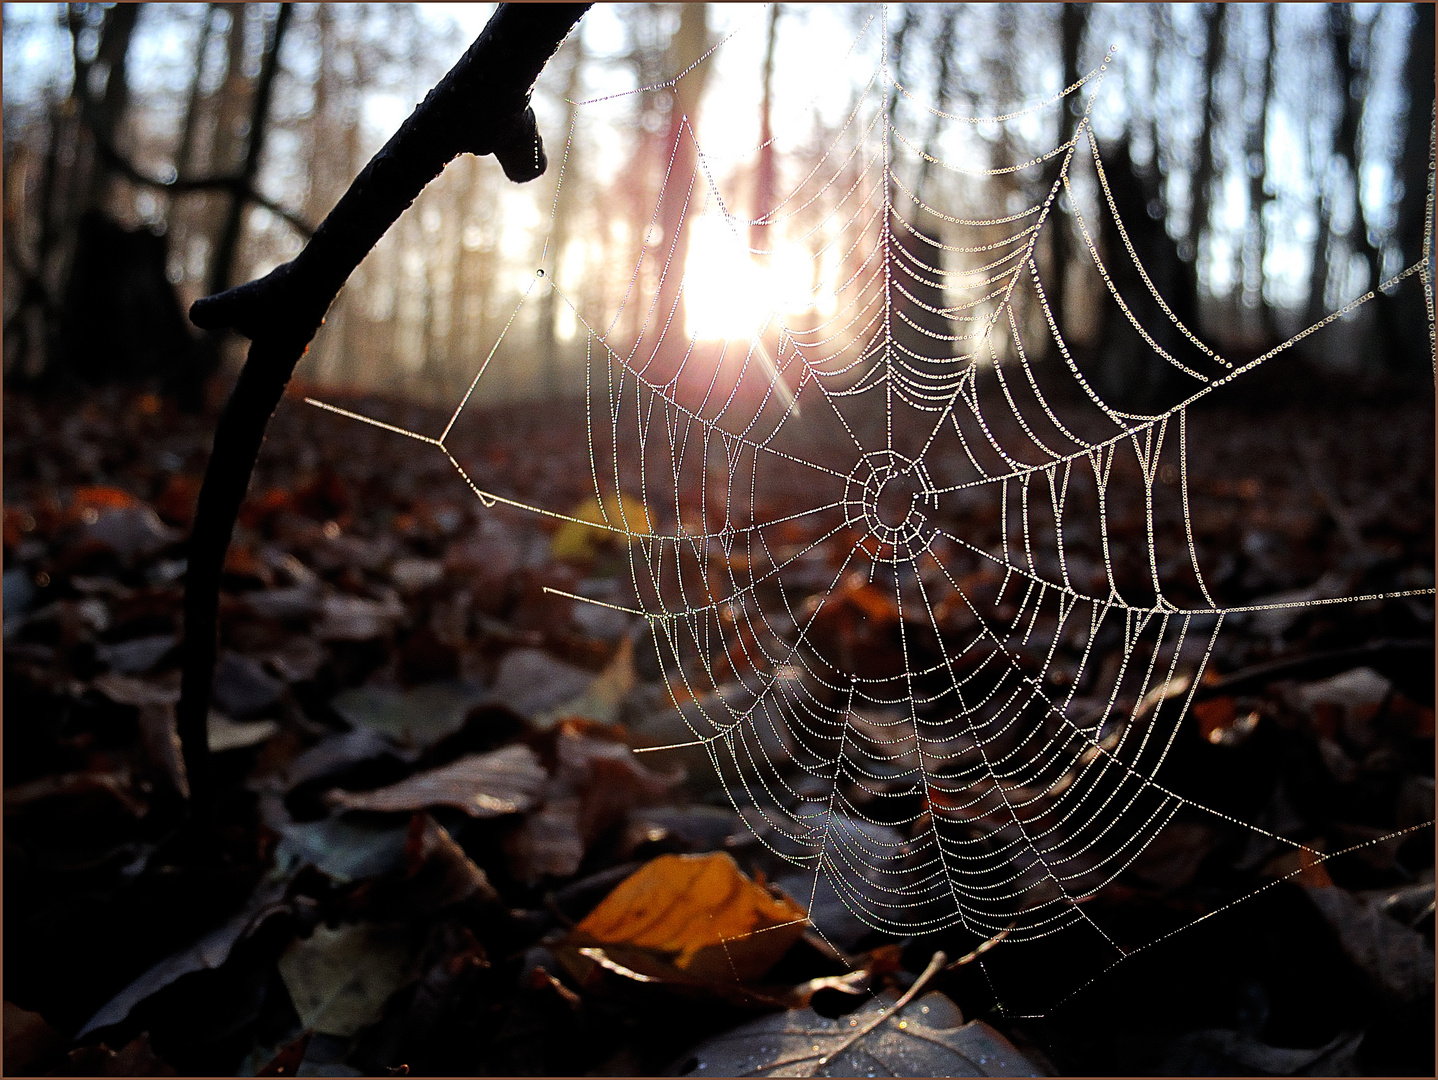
(1272,164)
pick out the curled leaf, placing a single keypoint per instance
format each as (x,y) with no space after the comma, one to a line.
(482,785)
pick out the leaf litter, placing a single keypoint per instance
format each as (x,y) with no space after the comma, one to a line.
(435,848)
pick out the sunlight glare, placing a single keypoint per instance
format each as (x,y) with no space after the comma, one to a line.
(732,296)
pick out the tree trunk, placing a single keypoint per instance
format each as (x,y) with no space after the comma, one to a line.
(1340,18)
(1409,311)
(1257,182)
(185,149)
(1215,21)
(685,191)
(1131,376)
(552,382)
(1073,19)
(222,269)
(765,180)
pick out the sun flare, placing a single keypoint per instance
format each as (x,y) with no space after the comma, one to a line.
(732,296)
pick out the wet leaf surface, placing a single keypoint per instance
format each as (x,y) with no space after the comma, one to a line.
(926,1038)
(482,785)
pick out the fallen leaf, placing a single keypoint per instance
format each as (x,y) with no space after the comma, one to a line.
(926,1037)
(1395,957)
(354,618)
(287,1061)
(208,953)
(340,979)
(335,753)
(1172,858)
(579,543)
(413,575)
(418,717)
(438,865)
(116,784)
(298,659)
(699,827)
(548,843)
(1225,1052)
(131,532)
(827,908)
(601,699)
(293,602)
(344,849)
(160,737)
(176,503)
(241,686)
(698,915)
(505,781)
(226,734)
(30,1043)
(531,682)
(597,781)
(135,1058)
(101,497)
(127,690)
(137,656)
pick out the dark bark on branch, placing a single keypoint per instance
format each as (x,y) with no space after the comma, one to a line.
(480,107)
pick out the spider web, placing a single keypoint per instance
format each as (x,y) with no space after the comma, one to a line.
(882,543)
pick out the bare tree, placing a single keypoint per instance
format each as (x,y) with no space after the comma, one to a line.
(685,187)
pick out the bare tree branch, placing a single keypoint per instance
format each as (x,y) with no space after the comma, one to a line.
(480,107)
(236,184)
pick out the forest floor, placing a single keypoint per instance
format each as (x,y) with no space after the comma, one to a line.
(427,801)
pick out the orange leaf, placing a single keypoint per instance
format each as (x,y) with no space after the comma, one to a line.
(1215,716)
(176,503)
(1312,870)
(260,508)
(699,913)
(102,498)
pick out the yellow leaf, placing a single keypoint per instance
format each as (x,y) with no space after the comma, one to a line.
(698,913)
(577,542)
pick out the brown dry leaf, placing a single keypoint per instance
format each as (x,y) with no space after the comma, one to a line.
(160,737)
(597,782)
(133,533)
(602,698)
(690,918)
(289,1057)
(135,1058)
(438,870)
(23,797)
(127,690)
(1395,956)
(531,682)
(29,1041)
(207,954)
(549,841)
(353,618)
(505,781)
